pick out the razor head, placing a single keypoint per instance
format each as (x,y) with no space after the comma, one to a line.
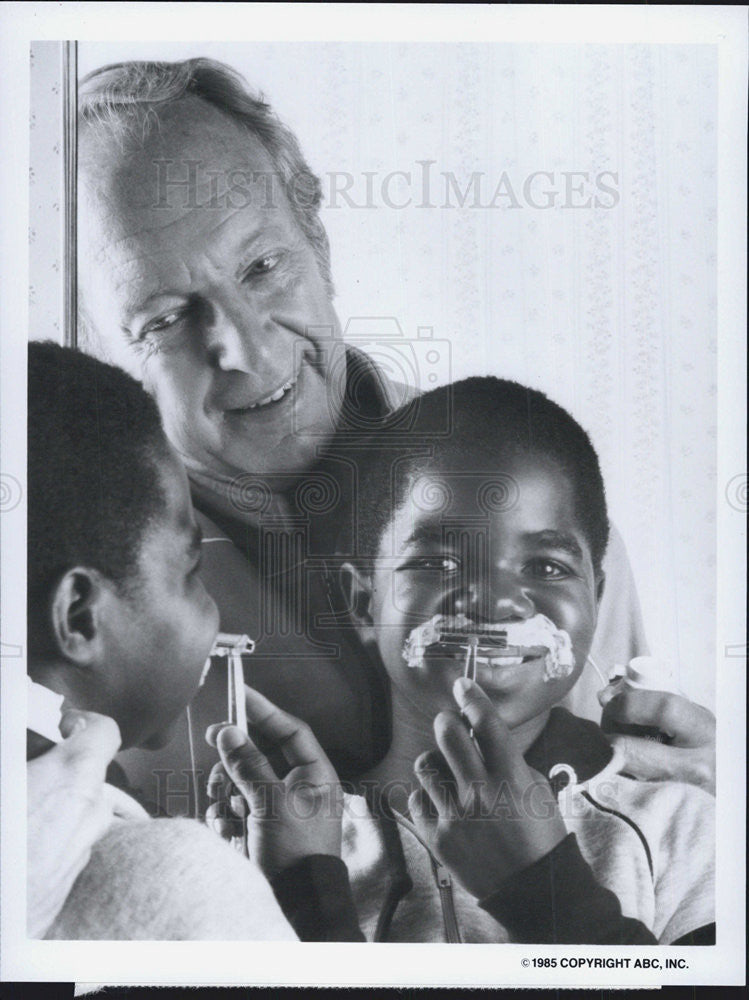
(490,645)
(231,646)
(227,644)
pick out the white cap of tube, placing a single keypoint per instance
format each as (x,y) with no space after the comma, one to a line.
(652,674)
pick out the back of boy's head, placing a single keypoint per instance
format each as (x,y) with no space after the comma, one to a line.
(94,442)
(491,419)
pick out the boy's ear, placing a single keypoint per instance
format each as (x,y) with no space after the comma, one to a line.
(600,587)
(76,610)
(356,586)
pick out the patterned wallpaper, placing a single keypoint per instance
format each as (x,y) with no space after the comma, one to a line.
(554,222)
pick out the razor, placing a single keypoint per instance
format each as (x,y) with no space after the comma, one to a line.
(476,643)
(234,647)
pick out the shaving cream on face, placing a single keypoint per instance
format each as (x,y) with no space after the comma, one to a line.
(429,633)
(533,632)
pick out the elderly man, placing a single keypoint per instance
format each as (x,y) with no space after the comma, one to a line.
(204,271)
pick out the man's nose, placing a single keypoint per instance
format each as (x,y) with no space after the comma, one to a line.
(237,338)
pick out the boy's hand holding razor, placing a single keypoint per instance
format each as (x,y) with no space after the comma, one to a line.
(289,816)
(485,819)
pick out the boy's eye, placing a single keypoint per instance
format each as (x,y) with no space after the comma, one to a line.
(548,569)
(439,564)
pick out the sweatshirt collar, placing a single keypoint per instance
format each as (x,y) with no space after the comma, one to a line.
(577,743)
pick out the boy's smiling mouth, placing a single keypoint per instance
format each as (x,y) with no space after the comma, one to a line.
(499,646)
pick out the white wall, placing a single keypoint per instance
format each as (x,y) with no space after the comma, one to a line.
(610,310)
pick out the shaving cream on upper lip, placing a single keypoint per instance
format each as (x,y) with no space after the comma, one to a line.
(532,638)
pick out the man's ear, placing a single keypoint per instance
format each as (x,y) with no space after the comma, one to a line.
(76,611)
(600,587)
(356,586)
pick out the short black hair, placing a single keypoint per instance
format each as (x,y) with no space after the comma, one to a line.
(94,443)
(491,419)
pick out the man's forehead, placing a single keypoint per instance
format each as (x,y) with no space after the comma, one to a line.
(187,125)
(189,157)
(177,193)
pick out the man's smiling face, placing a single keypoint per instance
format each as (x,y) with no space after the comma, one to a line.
(529,556)
(208,292)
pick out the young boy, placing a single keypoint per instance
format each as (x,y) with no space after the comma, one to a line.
(121,624)
(491,535)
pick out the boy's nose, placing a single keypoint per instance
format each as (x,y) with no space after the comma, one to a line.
(512,605)
(506,597)
(503,598)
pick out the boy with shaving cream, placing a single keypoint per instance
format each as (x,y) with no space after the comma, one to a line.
(480,554)
(498,531)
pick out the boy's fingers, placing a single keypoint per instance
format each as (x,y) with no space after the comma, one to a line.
(239,806)
(219,783)
(293,737)
(688,724)
(437,783)
(223,825)
(247,767)
(423,813)
(492,735)
(211,733)
(459,751)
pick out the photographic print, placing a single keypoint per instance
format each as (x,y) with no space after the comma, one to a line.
(372,444)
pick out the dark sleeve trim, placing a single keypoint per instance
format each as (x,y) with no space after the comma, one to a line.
(315,896)
(557,900)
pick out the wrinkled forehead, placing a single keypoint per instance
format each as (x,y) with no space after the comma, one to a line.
(149,171)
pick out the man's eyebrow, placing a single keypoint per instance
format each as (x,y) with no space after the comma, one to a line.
(552,539)
(137,304)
